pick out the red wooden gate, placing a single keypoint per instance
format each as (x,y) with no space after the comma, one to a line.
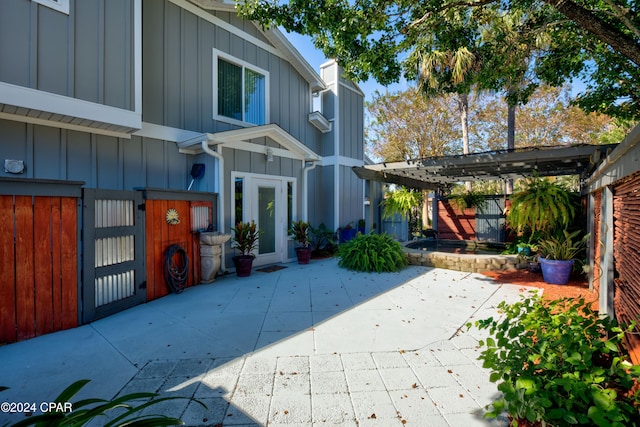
(38,257)
(160,235)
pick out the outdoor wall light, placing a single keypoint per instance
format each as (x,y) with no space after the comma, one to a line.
(269,155)
(13,166)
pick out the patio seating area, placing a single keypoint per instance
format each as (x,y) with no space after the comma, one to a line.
(303,345)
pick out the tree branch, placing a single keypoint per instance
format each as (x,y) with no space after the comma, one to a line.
(588,21)
(584,18)
(623,15)
(448,6)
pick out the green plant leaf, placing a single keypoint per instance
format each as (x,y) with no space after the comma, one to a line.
(611,346)
(604,399)
(544,363)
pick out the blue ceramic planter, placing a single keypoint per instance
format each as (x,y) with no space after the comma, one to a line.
(526,251)
(347,234)
(556,272)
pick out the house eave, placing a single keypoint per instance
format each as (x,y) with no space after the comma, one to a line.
(49,109)
(241,139)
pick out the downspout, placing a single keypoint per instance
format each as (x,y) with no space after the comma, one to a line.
(305,190)
(216,155)
(336,147)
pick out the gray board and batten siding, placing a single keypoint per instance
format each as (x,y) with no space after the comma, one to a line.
(177,91)
(179,49)
(100,161)
(87,56)
(97,65)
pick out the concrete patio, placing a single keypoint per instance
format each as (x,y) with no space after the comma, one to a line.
(305,345)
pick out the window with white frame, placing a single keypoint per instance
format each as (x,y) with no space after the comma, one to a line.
(242,91)
(59,5)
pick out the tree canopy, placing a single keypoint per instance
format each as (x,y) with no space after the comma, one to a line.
(494,44)
(406,125)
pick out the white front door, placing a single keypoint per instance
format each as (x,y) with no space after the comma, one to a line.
(268,208)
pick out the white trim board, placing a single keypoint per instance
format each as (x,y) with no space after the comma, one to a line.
(32,99)
(164,133)
(64,125)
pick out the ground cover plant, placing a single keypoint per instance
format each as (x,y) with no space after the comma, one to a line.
(372,252)
(560,363)
(127,411)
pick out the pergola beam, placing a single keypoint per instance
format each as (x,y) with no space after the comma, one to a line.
(430,173)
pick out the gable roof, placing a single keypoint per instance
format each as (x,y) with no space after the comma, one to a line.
(240,139)
(275,37)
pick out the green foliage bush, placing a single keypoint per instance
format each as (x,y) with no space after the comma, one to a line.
(542,208)
(372,252)
(323,240)
(560,363)
(468,200)
(400,202)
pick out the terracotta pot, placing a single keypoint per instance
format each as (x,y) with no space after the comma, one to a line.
(304,255)
(243,264)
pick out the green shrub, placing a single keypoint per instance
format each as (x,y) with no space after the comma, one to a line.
(400,202)
(560,363)
(468,200)
(323,240)
(372,252)
(542,208)
(85,411)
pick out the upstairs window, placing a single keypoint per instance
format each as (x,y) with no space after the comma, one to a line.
(242,92)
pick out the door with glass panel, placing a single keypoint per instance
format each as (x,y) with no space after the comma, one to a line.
(268,212)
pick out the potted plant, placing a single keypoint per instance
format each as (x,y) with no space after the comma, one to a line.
(527,255)
(541,209)
(347,233)
(245,239)
(557,255)
(524,249)
(468,200)
(361,226)
(300,233)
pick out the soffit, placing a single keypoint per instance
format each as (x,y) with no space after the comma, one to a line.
(435,172)
(240,138)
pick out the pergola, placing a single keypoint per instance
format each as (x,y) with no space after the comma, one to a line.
(438,172)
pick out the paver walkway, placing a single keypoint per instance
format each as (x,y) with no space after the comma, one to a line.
(306,346)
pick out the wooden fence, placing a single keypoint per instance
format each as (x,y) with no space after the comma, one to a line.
(455,225)
(626,252)
(38,258)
